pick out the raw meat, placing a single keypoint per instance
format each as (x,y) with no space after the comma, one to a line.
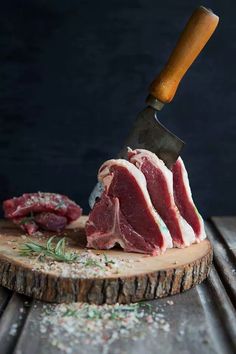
(184,201)
(50,221)
(160,187)
(125,214)
(107,227)
(49,211)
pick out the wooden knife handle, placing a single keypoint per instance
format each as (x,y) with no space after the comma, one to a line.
(195,35)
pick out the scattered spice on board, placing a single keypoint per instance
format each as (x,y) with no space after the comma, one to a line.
(69,326)
(89,265)
(55,257)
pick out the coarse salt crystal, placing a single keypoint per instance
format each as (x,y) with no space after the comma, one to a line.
(170,302)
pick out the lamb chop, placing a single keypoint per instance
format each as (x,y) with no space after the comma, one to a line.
(125,215)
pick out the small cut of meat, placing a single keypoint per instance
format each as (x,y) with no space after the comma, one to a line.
(48,211)
(125,214)
(184,200)
(160,187)
(41,202)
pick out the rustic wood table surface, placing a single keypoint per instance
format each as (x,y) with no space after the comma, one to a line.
(201,320)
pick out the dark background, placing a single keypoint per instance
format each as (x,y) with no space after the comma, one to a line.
(74,74)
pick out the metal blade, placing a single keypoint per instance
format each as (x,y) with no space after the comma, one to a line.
(95,194)
(148,133)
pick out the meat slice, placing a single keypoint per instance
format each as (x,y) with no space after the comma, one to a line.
(48,211)
(184,200)
(160,187)
(125,214)
(107,227)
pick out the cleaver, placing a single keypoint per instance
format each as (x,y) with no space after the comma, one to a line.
(148,132)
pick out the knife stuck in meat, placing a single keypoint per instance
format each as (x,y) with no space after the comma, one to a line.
(148,133)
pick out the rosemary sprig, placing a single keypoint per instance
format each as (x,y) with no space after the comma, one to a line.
(90,262)
(108,261)
(56,252)
(90,313)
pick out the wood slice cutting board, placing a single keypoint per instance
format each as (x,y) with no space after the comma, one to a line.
(137,277)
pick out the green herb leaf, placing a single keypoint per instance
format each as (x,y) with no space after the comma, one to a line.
(107,260)
(56,252)
(70,313)
(61,204)
(90,262)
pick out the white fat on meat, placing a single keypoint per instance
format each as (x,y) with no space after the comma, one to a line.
(201,234)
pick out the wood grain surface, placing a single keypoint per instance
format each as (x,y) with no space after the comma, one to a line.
(141,277)
(202,320)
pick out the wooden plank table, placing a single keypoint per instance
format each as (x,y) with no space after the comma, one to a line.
(202,320)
